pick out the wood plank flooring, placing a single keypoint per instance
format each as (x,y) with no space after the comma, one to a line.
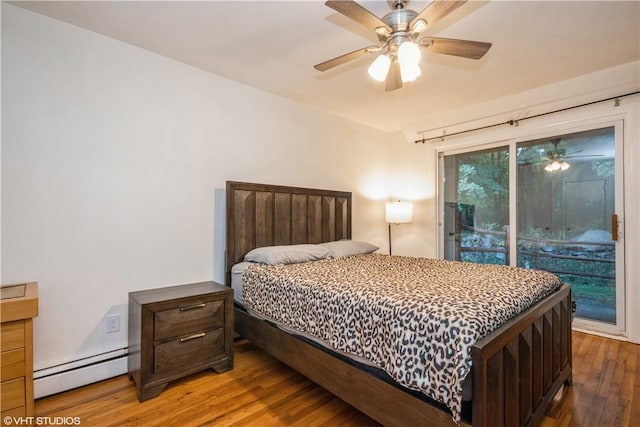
(260,391)
(606,385)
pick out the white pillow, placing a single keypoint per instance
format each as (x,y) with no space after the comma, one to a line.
(287,254)
(342,248)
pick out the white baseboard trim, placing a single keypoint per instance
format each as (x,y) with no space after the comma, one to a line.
(79,373)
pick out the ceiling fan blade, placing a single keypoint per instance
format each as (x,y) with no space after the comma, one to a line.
(326,65)
(437,10)
(583,156)
(358,13)
(464,48)
(394,78)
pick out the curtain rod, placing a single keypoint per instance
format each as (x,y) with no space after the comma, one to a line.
(514,122)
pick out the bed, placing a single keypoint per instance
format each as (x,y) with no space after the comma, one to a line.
(517,369)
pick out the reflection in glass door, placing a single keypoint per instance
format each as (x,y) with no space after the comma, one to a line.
(566,202)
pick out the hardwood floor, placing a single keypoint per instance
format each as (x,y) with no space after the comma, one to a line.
(606,385)
(260,391)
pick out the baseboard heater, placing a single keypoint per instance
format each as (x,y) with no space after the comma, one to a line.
(78,373)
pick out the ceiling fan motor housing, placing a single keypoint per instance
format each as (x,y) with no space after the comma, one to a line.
(399,19)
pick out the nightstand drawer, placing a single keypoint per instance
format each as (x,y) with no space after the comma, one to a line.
(188,318)
(12,335)
(13,364)
(192,350)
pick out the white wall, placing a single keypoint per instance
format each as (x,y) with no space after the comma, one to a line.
(412,179)
(113,162)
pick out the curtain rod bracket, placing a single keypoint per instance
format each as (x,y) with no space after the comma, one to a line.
(616,102)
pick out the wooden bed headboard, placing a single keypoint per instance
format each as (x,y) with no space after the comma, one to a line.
(266,215)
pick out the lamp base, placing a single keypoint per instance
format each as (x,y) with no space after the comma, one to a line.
(389,238)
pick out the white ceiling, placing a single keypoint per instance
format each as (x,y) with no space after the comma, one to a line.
(273,45)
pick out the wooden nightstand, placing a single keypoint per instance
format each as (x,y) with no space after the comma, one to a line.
(177,331)
(18,306)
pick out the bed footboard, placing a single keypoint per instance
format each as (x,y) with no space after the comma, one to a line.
(518,369)
(381,401)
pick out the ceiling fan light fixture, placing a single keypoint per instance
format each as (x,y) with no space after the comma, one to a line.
(556,165)
(408,53)
(409,72)
(379,68)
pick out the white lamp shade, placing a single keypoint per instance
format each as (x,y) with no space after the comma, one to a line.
(399,212)
(379,68)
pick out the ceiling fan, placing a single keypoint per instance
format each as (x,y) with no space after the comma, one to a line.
(555,159)
(400,33)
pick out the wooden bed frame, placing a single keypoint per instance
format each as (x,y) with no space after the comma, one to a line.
(517,370)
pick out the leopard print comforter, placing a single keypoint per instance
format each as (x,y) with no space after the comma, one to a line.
(415,318)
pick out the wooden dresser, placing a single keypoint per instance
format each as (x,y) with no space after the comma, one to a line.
(177,331)
(18,306)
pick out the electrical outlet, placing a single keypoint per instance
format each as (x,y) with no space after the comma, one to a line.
(112,323)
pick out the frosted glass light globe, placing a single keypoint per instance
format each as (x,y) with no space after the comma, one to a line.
(409,53)
(409,72)
(379,68)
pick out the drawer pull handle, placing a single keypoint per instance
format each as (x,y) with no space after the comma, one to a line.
(192,337)
(193,307)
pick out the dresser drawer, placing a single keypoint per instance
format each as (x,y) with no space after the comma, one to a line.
(12,335)
(13,394)
(18,412)
(192,350)
(13,364)
(188,318)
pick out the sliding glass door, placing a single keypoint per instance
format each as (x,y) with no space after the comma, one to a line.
(562,215)
(566,222)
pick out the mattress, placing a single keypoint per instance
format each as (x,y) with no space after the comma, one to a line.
(414,318)
(237,272)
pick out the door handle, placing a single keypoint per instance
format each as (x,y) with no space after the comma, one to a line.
(614,227)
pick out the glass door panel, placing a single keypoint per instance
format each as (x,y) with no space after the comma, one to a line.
(476,206)
(565,202)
